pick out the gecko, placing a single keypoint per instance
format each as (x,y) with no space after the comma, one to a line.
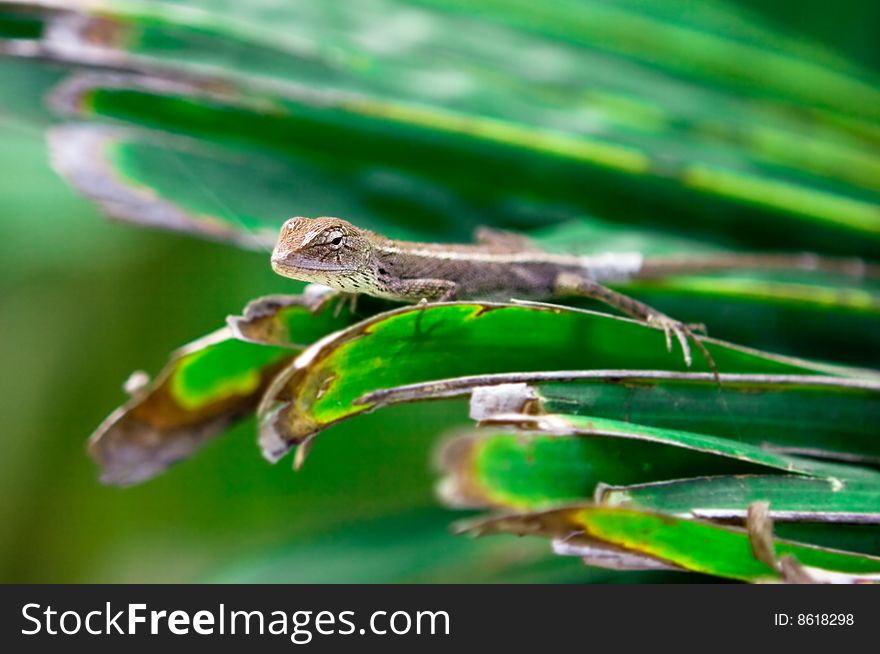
(503,266)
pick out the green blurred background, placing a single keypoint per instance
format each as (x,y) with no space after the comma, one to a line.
(84,301)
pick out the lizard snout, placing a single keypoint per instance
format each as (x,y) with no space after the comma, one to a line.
(281,260)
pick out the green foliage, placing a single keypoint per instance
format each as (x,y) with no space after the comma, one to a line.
(686,544)
(594,126)
(329,381)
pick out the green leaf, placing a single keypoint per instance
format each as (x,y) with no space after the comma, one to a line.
(251,170)
(854,537)
(154,180)
(829,417)
(726,498)
(493,112)
(833,417)
(533,470)
(418,344)
(741,450)
(687,544)
(206,387)
(420,153)
(717,44)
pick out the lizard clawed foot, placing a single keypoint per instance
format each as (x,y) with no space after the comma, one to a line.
(345,298)
(670,327)
(685,335)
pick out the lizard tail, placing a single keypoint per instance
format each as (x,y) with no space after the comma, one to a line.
(849,267)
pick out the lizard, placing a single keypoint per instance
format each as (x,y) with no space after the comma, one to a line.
(502,266)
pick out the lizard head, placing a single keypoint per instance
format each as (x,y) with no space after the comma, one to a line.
(323,250)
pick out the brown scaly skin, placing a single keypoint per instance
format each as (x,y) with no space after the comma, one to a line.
(335,253)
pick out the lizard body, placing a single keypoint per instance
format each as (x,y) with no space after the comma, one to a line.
(335,253)
(502,266)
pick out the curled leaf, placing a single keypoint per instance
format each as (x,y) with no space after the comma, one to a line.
(206,386)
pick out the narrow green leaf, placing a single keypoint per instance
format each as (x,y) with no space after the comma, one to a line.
(688,544)
(534,470)
(576,425)
(833,417)
(707,45)
(726,498)
(418,344)
(853,537)
(828,417)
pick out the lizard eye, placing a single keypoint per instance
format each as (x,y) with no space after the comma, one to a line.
(334,238)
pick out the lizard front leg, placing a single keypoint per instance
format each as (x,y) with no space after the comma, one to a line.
(349,299)
(416,290)
(573,284)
